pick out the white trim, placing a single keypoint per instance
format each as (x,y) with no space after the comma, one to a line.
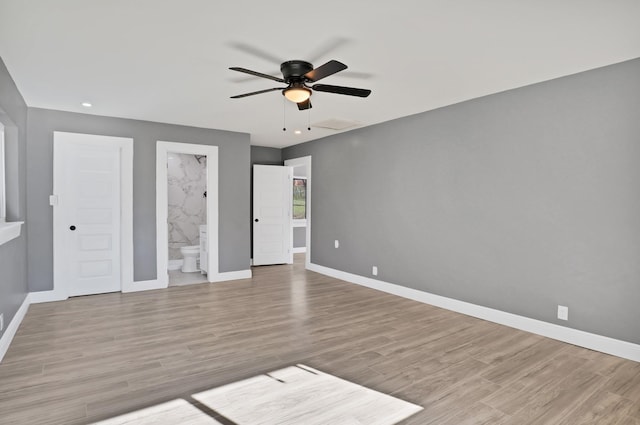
(47,296)
(299,249)
(300,223)
(306,162)
(240,274)
(9,231)
(52,296)
(126,195)
(145,285)
(588,340)
(12,327)
(162,206)
(3,180)
(126,205)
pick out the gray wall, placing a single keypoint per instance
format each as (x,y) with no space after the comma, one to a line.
(266,156)
(517,201)
(13,254)
(234,154)
(299,237)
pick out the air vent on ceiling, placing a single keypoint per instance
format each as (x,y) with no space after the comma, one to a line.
(336,124)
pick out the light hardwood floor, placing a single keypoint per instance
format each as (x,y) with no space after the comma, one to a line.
(91,358)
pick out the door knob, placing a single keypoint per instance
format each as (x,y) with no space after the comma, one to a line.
(72,228)
(256,220)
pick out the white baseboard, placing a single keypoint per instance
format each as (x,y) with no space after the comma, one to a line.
(299,249)
(12,327)
(175,264)
(145,285)
(46,296)
(588,340)
(53,295)
(240,274)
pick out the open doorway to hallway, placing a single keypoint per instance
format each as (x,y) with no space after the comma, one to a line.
(301,223)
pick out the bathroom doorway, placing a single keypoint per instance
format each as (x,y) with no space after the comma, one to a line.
(187,213)
(187,217)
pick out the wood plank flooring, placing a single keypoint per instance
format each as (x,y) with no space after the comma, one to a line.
(302,395)
(92,358)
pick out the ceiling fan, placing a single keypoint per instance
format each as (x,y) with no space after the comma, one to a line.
(298,75)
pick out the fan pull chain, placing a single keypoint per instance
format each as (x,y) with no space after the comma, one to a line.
(284,114)
(309,118)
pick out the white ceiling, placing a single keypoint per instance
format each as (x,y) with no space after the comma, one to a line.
(168,61)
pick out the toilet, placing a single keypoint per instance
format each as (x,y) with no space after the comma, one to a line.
(190,255)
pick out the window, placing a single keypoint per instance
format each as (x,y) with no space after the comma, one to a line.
(299,198)
(8,230)
(3,191)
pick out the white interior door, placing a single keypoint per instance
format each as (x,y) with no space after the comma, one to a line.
(272,205)
(88,214)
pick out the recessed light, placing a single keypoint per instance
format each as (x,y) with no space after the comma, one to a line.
(87,104)
(298,132)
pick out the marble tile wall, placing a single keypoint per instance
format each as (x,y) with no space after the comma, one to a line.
(187,184)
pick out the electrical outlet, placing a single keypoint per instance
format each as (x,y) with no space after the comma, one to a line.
(1,322)
(337,243)
(374,271)
(563,312)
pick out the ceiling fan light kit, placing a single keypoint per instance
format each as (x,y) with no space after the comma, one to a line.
(297,94)
(297,74)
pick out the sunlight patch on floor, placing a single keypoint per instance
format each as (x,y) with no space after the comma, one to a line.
(172,412)
(291,396)
(302,395)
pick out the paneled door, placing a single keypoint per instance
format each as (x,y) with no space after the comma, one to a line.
(272,207)
(87,213)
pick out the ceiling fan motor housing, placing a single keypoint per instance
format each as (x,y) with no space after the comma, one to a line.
(293,71)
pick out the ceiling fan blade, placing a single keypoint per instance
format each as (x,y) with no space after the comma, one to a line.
(356,74)
(256,92)
(255,51)
(349,91)
(257,74)
(323,50)
(325,70)
(305,105)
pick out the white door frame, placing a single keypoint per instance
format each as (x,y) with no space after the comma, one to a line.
(162,208)
(125,145)
(306,162)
